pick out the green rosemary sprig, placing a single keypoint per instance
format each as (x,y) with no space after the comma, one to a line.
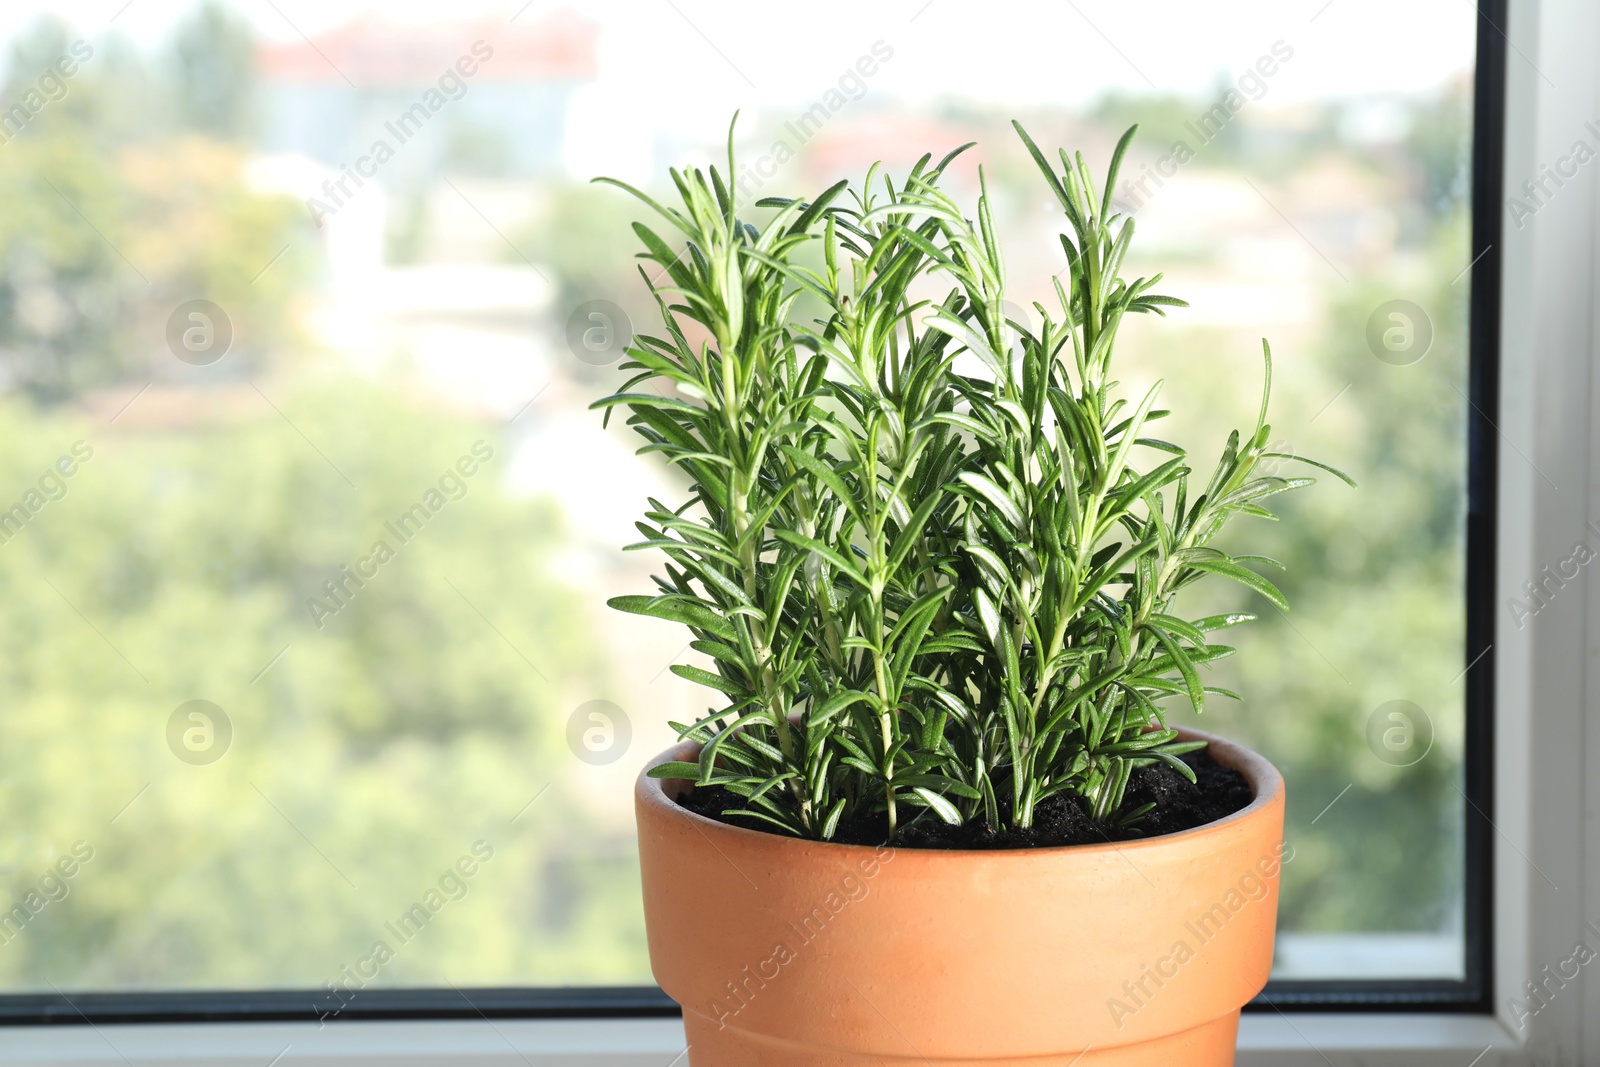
(923,589)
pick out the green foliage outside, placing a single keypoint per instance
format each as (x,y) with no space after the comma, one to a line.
(393,736)
(406,729)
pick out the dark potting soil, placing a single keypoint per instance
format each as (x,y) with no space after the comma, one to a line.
(1062,820)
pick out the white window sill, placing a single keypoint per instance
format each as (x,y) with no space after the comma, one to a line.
(1315,1040)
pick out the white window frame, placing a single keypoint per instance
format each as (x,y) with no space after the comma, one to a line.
(1549,411)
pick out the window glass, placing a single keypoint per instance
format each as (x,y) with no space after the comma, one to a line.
(306,530)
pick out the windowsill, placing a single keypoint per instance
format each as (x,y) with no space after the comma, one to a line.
(1265,1041)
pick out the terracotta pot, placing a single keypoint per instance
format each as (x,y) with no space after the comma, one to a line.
(787,953)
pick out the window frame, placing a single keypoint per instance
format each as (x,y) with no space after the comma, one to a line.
(1525,769)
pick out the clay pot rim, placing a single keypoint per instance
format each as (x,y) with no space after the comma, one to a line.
(1263,777)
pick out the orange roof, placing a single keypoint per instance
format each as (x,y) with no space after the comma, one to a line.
(373,52)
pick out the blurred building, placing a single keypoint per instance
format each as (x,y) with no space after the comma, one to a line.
(332,98)
(850,143)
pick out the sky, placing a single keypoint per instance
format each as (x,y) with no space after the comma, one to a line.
(716,53)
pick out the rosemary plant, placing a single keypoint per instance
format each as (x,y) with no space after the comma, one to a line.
(926,592)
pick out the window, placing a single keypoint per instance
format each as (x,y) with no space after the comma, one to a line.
(305,529)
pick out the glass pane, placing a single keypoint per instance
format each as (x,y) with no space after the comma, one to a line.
(306,530)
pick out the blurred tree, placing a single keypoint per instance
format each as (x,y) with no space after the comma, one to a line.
(98,252)
(33,52)
(1440,142)
(1171,119)
(109,99)
(393,736)
(1384,560)
(584,235)
(111,223)
(1374,581)
(214,70)
(64,290)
